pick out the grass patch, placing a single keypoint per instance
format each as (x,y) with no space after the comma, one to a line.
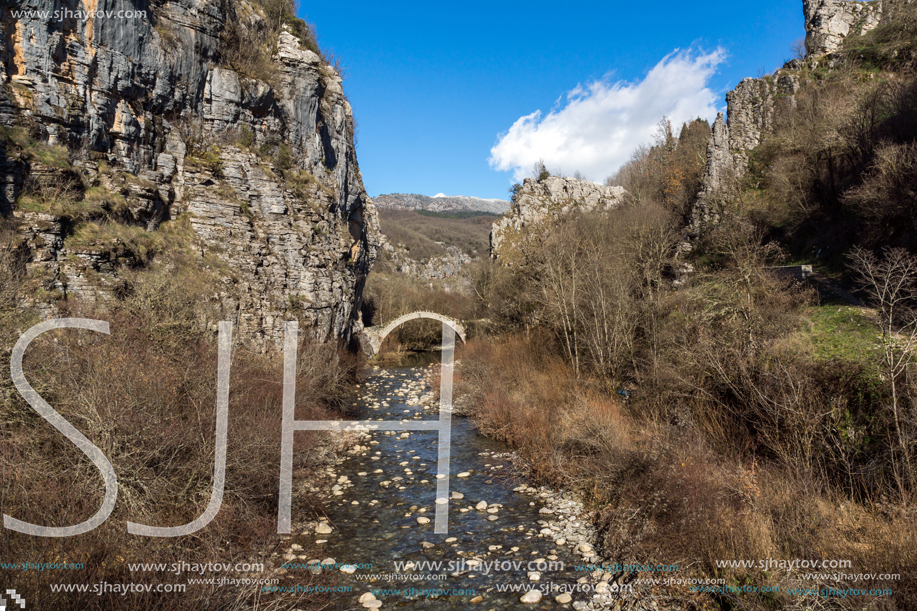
(842,333)
(303,184)
(79,209)
(890,44)
(115,238)
(51,155)
(210,159)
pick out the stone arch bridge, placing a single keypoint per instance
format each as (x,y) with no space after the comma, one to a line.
(376,335)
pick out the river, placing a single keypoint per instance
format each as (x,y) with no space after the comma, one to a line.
(504,536)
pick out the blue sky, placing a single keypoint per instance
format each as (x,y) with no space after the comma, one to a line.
(435,85)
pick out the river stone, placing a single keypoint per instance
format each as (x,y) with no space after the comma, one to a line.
(531,597)
(481,506)
(323,529)
(476,600)
(563,599)
(423,520)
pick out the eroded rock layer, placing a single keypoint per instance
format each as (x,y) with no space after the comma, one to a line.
(259,168)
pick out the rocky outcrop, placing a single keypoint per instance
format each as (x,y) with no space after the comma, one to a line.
(720,171)
(442,267)
(751,109)
(829,22)
(264,172)
(753,105)
(538,202)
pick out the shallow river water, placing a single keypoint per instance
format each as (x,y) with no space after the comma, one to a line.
(504,537)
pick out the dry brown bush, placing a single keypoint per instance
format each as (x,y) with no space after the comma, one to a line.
(145,395)
(728,418)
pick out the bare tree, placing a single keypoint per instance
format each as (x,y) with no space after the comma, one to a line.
(798,49)
(561,279)
(891,285)
(540,171)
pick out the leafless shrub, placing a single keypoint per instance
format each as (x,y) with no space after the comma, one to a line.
(190,130)
(891,285)
(145,395)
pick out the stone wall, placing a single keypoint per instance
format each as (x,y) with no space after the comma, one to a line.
(129,100)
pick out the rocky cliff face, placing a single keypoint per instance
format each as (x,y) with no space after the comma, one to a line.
(150,130)
(753,104)
(537,203)
(751,108)
(443,267)
(829,22)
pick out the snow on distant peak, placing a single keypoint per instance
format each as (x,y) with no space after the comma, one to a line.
(440,203)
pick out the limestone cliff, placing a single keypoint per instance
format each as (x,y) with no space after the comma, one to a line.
(829,22)
(538,202)
(443,267)
(751,108)
(142,123)
(754,103)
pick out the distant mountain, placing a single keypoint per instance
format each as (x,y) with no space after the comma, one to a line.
(440,203)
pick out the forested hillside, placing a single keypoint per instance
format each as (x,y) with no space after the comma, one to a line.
(711,405)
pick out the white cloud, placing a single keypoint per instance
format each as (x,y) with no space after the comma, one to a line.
(440,195)
(604,122)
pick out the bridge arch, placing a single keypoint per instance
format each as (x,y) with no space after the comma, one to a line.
(376,335)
